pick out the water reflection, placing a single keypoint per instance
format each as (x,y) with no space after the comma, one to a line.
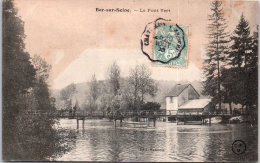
(101,141)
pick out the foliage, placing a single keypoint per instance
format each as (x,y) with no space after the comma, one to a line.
(116,97)
(151,106)
(66,95)
(93,94)
(40,89)
(140,84)
(233,89)
(252,71)
(240,77)
(94,90)
(76,107)
(42,68)
(27,133)
(114,78)
(67,92)
(105,98)
(18,71)
(216,52)
(18,75)
(241,41)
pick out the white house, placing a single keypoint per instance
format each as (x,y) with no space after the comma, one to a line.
(184,97)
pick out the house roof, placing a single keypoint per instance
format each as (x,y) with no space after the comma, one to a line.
(176,91)
(195,104)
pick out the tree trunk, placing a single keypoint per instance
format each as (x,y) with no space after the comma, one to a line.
(242,109)
(230,108)
(219,94)
(142,96)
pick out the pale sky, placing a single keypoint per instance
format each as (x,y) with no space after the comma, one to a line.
(78,41)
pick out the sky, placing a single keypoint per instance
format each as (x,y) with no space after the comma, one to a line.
(78,41)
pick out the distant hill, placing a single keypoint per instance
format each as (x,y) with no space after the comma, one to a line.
(163,88)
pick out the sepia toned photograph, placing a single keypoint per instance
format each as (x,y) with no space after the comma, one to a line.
(130,81)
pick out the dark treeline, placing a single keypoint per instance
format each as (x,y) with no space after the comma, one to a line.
(26,135)
(231,66)
(115,93)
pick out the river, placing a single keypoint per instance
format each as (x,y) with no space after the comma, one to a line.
(101,141)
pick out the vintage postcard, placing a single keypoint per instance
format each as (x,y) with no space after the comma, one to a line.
(130,81)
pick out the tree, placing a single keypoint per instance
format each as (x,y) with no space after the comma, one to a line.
(151,106)
(68,91)
(18,76)
(75,108)
(42,68)
(66,95)
(141,84)
(241,41)
(242,61)
(118,104)
(18,72)
(216,51)
(134,86)
(114,77)
(40,89)
(231,93)
(26,135)
(252,71)
(93,93)
(238,61)
(147,84)
(105,98)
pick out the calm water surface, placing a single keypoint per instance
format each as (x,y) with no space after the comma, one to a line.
(101,141)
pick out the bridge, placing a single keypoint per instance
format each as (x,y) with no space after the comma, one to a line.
(140,114)
(147,115)
(143,114)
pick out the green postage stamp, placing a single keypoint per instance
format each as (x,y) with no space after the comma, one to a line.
(165,43)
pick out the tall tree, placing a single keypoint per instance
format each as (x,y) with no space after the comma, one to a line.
(105,98)
(241,41)
(119,103)
(134,85)
(26,136)
(66,95)
(18,75)
(114,77)
(215,51)
(18,72)
(141,84)
(94,90)
(252,71)
(40,89)
(230,92)
(93,93)
(68,91)
(242,60)
(147,84)
(238,57)
(37,129)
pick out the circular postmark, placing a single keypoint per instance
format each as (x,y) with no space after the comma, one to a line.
(239,147)
(163,41)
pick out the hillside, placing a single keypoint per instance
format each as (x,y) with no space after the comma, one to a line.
(163,88)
